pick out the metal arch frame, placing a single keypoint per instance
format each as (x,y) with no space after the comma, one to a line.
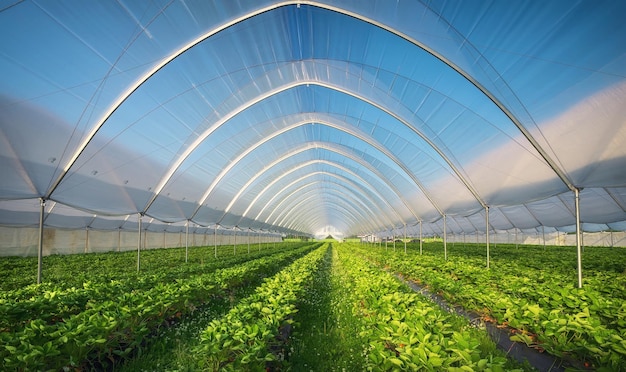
(307,211)
(132,88)
(365,194)
(313,120)
(329,147)
(286,198)
(138,83)
(328,173)
(308,192)
(355,202)
(316,220)
(169,174)
(270,201)
(296,223)
(323,121)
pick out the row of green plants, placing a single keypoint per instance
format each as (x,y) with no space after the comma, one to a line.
(401,330)
(115,325)
(72,270)
(52,301)
(541,303)
(253,334)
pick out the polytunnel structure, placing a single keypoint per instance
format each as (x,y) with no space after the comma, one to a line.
(295,117)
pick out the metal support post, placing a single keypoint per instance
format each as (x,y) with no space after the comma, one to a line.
(578,239)
(420,237)
(139,242)
(405,238)
(445,247)
(487,233)
(186,240)
(42,205)
(87,239)
(215,240)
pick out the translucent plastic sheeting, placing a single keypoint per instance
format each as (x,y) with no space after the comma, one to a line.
(291,117)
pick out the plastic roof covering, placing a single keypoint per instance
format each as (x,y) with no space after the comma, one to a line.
(354,117)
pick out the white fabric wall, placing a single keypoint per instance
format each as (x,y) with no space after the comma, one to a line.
(24,241)
(590,239)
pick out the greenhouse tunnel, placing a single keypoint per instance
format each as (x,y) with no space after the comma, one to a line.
(262,119)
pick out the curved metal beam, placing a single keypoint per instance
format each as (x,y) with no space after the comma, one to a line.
(277,207)
(285,199)
(317,205)
(329,147)
(192,147)
(280,218)
(131,89)
(298,124)
(138,83)
(323,121)
(269,202)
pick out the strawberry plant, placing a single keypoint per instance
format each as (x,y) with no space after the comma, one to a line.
(122,318)
(244,337)
(585,326)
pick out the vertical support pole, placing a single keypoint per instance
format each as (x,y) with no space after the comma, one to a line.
(215,240)
(445,246)
(235,241)
(420,237)
(42,205)
(87,239)
(139,242)
(248,241)
(543,232)
(487,233)
(186,240)
(119,238)
(259,241)
(578,239)
(394,241)
(405,238)
(164,242)
(386,242)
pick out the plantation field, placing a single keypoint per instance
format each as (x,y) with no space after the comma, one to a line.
(309,306)
(532,290)
(96,311)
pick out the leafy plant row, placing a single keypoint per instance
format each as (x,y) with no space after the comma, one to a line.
(115,326)
(52,302)
(66,271)
(243,338)
(583,325)
(405,331)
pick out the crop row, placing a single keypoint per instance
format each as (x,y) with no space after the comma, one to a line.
(66,271)
(405,331)
(245,337)
(116,325)
(52,302)
(585,326)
